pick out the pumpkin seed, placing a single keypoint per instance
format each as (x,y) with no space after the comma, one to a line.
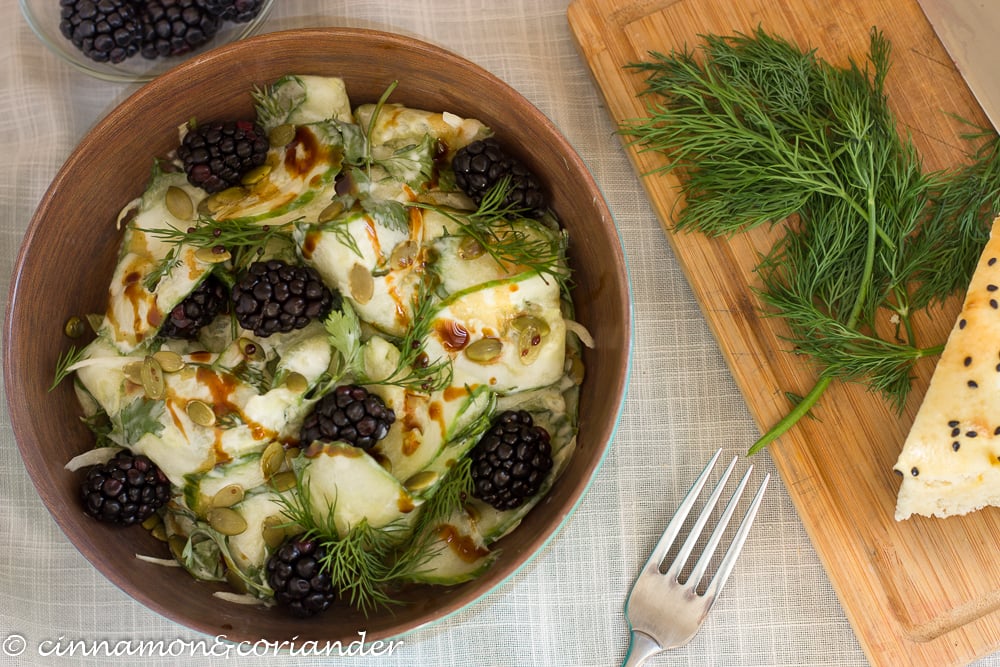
(296,382)
(282,135)
(159,532)
(133,372)
(523,322)
(179,203)
(74,327)
(421,480)
(200,412)
(251,350)
(576,370)
(256,175)
(96,321)
(283,481)
(227,521)
(470,248)
(484,350)
(272,460)
(273,531)
(177,545)
(152,521)
(361,283)
(403,254)
(234,579)
(152,379)
(216,254)
(330,212)
(529,344)
(169,361)
(228,496)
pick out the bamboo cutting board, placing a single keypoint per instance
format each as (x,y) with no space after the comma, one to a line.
(920,592)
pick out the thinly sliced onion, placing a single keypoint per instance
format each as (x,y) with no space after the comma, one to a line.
(92,457)
(581,333)
(165,562)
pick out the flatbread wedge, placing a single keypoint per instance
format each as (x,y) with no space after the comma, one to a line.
(950,462)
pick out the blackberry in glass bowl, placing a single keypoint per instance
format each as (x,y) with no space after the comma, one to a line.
(105,38)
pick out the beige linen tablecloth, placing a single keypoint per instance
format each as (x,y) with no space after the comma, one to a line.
(565,607)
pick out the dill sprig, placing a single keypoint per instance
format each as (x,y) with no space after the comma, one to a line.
(244,240)
(498,227)
(413,369)
(64,363)
(360,563)
(760,132)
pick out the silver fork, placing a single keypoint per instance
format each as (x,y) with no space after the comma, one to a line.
(664,613)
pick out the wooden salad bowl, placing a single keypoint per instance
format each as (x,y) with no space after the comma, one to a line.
(69,252)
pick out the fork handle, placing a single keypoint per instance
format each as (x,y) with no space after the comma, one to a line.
(641,647)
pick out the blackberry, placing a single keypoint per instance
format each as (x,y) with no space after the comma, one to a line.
(174,27)
(104,30)
(275,297)
(351,414)
(199,308)
(295,574)
(480,165)
(217,154)
(511,460)
(126,490)
(237,11)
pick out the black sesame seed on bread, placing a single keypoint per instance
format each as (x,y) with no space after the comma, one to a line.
(950,463)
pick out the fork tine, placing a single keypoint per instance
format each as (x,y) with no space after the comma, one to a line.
(677,521)
(729,560)
(688,547)
(698,572)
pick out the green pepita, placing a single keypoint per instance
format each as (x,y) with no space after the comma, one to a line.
(283,481)
(403,255)
(329,213)
(529,344)
(523,322)
(216,254)
(179,203)
(96,321)
(282,135)
(228,496)
(200,412)
(484,350)
(361,283)
(421,480)
(273,531)
(251,350)
(169,361)
(153,382)
(296,382)
(272,460)
(133,372)
(470,248)
(74,327)
(256,175)
(227,521)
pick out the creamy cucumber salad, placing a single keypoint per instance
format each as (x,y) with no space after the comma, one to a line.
(339,354)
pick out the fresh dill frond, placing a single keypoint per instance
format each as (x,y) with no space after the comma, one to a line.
(244,240)
(413,369)
(502,231)
(360,562)
(761,132)
(64,363)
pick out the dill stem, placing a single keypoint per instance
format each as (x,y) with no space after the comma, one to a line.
(789,420)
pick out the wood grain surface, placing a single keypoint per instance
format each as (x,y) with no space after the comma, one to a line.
(919,592)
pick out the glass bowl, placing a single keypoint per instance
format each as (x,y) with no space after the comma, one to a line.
(44,15)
